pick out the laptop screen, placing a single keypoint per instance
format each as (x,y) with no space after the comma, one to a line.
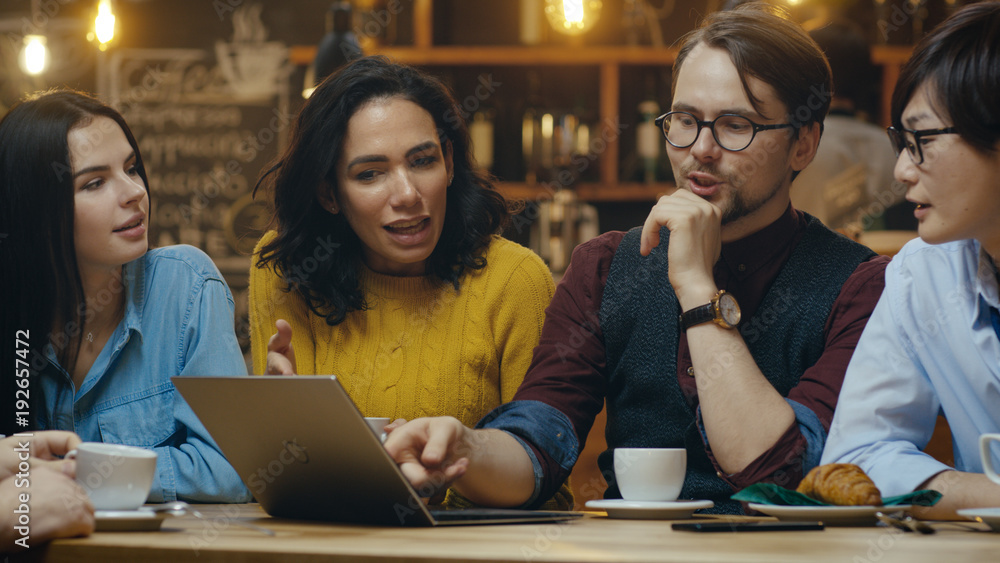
(305,451)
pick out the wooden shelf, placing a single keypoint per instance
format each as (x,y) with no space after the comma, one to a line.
(510,56)
(891,58)
(589,192)
(609,61)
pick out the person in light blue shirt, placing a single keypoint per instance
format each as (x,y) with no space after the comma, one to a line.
(932,345)
(100,323)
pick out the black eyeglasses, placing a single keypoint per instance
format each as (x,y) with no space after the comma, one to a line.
(909,139)
(732,132)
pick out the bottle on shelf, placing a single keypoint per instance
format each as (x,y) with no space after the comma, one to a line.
(647,163)
(531,130)
(481,134)
(648,139)
(530,22)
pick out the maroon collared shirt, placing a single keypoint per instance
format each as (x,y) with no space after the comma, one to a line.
(568,370)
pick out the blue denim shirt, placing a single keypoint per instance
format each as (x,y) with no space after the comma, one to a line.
(178,320)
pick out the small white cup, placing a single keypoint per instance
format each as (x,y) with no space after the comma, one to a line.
(987,458)
(650,474)
(116,477)
(378,425)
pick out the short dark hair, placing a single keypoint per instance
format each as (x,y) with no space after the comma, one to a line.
(475,211)
(38,270)
(960,60)
(762,42)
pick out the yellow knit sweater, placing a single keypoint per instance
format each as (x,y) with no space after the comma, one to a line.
(422,348)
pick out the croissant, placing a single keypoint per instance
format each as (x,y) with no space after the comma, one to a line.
(840,484)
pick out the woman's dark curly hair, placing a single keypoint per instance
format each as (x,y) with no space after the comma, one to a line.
(306,231)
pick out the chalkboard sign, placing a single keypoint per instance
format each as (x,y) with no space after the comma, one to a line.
(206,124)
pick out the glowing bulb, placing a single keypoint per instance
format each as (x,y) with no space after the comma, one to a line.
(573,12)
(572,17)
(548,125)
(104,23)
(35,55)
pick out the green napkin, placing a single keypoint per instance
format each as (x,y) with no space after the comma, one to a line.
(769,493)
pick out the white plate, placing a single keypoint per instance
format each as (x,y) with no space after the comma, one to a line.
(645,510)
(988,516)
(829,515)
(142,519)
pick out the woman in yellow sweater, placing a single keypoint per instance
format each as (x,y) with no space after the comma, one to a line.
(386,268)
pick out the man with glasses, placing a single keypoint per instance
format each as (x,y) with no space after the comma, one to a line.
(724,325)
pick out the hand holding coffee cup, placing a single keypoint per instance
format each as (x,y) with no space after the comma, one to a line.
(650,474)
(987,458)
(116,477)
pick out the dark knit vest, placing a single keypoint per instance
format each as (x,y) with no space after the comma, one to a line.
(639,320)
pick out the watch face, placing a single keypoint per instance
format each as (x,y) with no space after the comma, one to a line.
(729,309)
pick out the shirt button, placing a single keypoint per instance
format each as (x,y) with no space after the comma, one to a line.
(718,474)
(742,267)
(690,371)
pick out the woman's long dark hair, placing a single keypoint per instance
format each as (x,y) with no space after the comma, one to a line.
(330,286)
(39,276)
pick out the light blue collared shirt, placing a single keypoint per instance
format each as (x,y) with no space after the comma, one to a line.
(178,321)
(928,349)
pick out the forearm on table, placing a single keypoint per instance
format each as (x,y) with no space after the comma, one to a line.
(959,490)
(196,471)
(743,414)
(500,471)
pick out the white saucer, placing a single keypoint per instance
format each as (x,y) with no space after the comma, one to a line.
(829,515)
(988,516)
(141,519)
(647,510)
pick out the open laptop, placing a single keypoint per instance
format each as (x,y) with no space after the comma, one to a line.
(305,451)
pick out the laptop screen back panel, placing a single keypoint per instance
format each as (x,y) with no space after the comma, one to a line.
(303,449)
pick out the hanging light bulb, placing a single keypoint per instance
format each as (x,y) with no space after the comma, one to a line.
(34,57)
(104,24)
(572,17)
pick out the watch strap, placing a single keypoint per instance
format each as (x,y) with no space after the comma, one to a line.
(698,315)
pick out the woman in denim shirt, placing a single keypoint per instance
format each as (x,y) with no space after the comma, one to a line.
(103,324)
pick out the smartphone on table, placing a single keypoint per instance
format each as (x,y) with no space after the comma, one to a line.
(769,526)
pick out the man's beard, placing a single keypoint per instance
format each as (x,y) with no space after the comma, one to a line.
(739,206)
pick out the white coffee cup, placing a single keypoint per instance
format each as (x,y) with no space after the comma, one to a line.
(650,474)
(116,477)
(987,458)
(378,425)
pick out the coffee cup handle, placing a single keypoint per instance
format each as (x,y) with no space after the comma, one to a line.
(987,457)
(70,454)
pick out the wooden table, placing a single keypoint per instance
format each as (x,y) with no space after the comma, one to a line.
(593,538)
